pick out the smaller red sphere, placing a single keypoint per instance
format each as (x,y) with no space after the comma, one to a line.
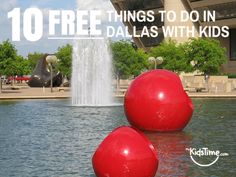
(125,152)
(156,101)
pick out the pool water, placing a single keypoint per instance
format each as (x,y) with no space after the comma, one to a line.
(51,138)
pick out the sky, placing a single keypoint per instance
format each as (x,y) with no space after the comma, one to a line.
(43,45)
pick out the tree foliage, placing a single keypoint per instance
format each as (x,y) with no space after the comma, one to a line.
(33,59)
(64,55)
(19,66)
(8,54)
(10,63)
(198,54)
(202,54)
(127,61)
(206,55)
(174,56)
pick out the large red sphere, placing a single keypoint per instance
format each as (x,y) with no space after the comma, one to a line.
(156,101)
(125,152)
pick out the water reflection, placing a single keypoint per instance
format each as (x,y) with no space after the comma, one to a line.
(48,138)
(172,154)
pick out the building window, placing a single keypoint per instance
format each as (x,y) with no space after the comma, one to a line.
(233,44)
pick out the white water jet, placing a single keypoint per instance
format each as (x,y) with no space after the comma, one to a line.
(91,66)
(91,73)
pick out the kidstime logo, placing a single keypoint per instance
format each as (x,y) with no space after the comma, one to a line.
(212,156)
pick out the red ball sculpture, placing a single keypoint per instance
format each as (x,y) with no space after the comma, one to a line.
(125,152)
(156,101)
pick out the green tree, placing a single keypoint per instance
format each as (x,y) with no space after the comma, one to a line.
(8,55)
(33,59)
(11,64)
(127,61)
(22,66)
(19,67)
(173,54)
(206,54)
(64,54)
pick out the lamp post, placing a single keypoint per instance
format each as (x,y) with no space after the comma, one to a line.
(157,61)
(51,59)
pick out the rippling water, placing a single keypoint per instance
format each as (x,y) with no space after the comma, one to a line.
(51,138)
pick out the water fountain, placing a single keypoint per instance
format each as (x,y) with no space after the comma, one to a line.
(91,73)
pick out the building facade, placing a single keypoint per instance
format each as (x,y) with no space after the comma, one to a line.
(225,13)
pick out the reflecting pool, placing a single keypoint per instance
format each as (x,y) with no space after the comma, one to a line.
(51,138)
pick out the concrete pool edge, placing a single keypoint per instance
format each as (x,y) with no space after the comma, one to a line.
(117,96)
(201,96)
(32,97)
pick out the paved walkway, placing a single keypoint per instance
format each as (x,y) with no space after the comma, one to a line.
(35,93)
(205,95)
(64,92)
(213,95)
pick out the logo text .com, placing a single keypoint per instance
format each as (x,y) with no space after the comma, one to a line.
(193,152)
